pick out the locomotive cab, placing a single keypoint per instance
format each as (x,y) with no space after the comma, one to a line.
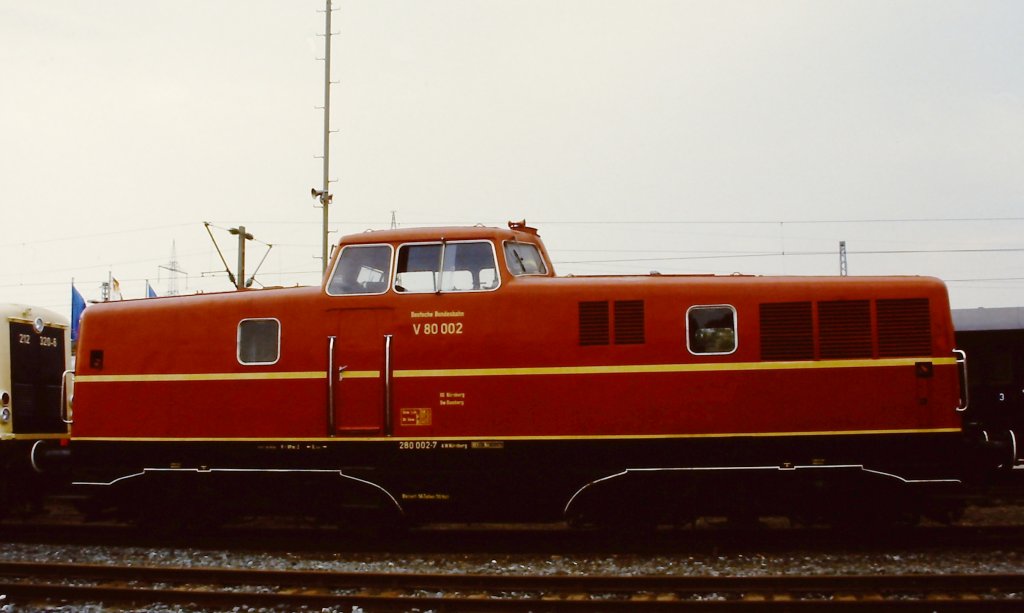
(459,260)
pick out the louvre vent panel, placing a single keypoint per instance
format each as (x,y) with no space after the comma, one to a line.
(787,331)
(594,323)
(629,322)
(845,329)
(904,327)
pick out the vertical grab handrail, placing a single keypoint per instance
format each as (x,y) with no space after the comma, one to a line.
(330,385)
(1015,459)
(961,363)
(387,385)
(64,405)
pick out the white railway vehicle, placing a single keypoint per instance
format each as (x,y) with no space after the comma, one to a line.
(35,348)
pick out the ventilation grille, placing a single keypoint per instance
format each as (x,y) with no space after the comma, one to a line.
(787,331)
(629,322)
(594,323)
(845,329)
(904,328)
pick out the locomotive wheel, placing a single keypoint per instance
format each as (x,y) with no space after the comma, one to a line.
(5,491)
(858,517)
(172,517)
(173,509)
(17,494)
(948,513)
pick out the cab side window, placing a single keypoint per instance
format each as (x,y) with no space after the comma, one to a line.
(457,266)
(361,269)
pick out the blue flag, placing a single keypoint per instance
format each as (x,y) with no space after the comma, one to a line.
(150,293)
(77,308)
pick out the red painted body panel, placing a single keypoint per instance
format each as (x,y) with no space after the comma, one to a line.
(499,363)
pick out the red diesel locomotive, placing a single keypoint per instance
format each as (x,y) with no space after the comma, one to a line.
(447,373)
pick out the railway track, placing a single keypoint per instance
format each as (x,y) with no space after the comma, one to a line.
(206,588)
(61,523)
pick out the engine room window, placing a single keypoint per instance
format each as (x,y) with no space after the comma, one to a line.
(524,259)
(446,267)
(711,330)
(361,269)
(259,341)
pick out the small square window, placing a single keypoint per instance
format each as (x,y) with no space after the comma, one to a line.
(711,330)
(259,341)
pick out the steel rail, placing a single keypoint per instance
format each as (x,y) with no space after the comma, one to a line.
(523,538)
(499,592)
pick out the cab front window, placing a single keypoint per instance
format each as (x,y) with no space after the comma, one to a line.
(524,259)
(456,266)
(361,269)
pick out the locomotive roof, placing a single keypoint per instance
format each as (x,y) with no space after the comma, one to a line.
(437,233)
(1004,318)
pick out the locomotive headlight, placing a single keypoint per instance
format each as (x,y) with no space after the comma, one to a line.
(5,399)
(38,325)
(5,415)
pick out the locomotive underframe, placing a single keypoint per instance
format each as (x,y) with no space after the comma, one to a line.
(600,480)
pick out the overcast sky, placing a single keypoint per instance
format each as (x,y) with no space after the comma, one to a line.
(685,137)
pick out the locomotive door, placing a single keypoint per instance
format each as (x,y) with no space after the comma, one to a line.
(359,371)
(37,365)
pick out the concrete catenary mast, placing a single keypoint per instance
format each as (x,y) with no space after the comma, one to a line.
(324,193)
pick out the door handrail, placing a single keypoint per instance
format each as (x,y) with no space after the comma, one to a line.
(330,385)
(388,427)
(64,404)
(961,363)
